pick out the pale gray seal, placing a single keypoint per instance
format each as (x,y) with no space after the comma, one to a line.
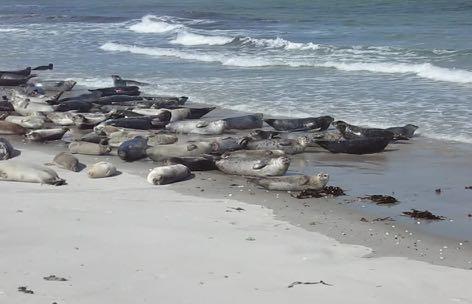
(254,167)
(88,148)
(67,161)
(24,172)
(168,174)
(101,169)
(120,82)
(293,182)
(46,134)
(162,152)
(29,122)
(9,128)
(202,127)
(289,146)
(254,153)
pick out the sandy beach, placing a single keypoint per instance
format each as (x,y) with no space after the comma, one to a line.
(120,239)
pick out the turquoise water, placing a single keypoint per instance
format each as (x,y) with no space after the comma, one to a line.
(378,63)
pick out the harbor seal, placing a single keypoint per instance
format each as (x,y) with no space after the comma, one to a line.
(88,148)
(251,121)
(140,123)
(133,149)
(120,82)
(44,67)
(101,169)
(199,163)
(88,120)
(61,118)
(162,139)
(122,90)
(46,134)
(162,152)
(224,144)
(73,105)
(24,172)
(201,127)
(6,149)
(293,182)
(254,167)
(351,131)
(289,146)
(67,161)
(361,145)
(168,174)
(403,133)
(264,134)
(301,124)
(29,122)
(9,128)
(254,153)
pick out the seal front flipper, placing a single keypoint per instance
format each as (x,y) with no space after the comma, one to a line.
(259,165)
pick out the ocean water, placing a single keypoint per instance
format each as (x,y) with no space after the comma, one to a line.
(376,63)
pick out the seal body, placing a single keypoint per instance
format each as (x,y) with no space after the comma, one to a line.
(46,134)
(6,149)
(115,139)
(224,144)
(61,118)
(9,128)
(251,121)
(133,149)
(162,139)
(162,152)
(73,105)
(140,123)
(300,124)
(289,146)
(88,148)
(67,161)
(168,174)
(202,127)
(29,122)
(31,173)
(254,167)
(363,145)
(101,169)
(120,82)
(292,183)
(264,134)
(352,132)
(254,153)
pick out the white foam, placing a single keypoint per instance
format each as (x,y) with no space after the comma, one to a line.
(280,43)
(187,38)
(241,61)
(424,70)
(10,30)
(154,24)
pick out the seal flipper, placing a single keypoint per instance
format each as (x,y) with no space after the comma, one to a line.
(259,165)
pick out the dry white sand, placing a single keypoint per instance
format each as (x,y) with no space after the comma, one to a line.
(121,240)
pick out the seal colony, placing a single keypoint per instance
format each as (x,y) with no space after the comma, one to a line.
(122,121)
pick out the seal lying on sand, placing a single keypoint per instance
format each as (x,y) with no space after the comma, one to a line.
(292,183)
(254,153)
(362,145)
(73,105)
(289,146)
(224,144)
(9,128)
(300,124)
(405,132)
(101,169)
(29,122)
(140,123)
(6,149)
(202,127)
(199,163)
(30,173)
(162,139)
(351,131)
(67,161)
(133,149)
(46,134)
(61,118)
(251,121)
(88,148)
(168,174)
(120,82)
(162,152)
(254,167)
(264,134)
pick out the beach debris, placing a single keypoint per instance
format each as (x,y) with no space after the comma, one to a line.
(381,219)
(237,208)
(24,289)
(468,187)
(417,214)
(438,191)
(326,191)
(54,278)
(469,215)
(381,199)
(363,219)
(250,238)
(308,283)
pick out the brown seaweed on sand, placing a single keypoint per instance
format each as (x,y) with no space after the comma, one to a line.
(54,278)
(381,199)
(326,191)
(417,214)
(24,289)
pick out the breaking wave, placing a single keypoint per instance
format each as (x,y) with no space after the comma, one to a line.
(187,38)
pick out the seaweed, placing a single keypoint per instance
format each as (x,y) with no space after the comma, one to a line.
(417,214)
(326,191)
(381,199)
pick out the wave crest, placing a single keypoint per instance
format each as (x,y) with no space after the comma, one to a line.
(154,24)
(188,39)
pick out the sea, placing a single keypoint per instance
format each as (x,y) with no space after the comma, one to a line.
(369,62)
